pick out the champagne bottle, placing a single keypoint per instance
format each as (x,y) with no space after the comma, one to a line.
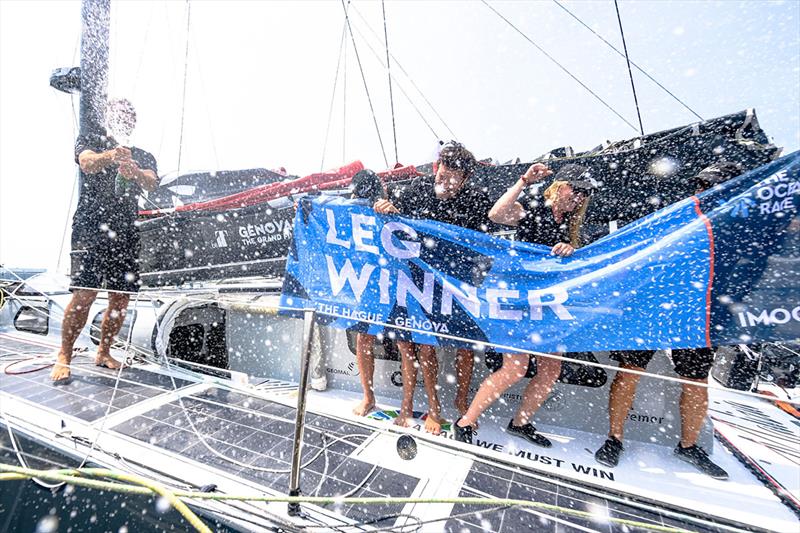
(121,185)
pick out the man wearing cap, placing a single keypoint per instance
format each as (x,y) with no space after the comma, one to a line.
(555,218)
(690,364)
(454,197)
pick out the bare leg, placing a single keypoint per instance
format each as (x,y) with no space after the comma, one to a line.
(514,367)
(366,370)
(430,375)
(465,360)
(620,399)
(538,389)
(75,316)
(693,407)
(112,323)
(409,369)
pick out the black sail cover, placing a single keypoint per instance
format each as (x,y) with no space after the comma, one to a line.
(634,178)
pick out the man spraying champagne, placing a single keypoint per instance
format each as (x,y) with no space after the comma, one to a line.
(105,240)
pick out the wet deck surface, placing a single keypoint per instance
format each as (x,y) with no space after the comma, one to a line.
(217,424)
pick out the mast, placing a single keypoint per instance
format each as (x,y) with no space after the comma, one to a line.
(91,78)
(96,18)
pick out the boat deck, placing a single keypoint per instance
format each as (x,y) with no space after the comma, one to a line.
(191,430)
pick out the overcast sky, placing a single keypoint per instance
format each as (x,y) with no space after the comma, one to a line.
(260,78)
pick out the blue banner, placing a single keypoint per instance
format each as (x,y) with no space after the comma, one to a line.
(720,268)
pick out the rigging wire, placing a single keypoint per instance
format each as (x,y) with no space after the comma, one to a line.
(227,406)
(402,91)
(630,73)
(153,296)
(172,70)
(144,48)
(185,76)
(366,89)
(98,433)
(209,402)
(389,75)
(485,497)
(75,129)
(333,98)
(562,67)
(410,79)
(199,65)
(344,103)
(640,69)
(135,485)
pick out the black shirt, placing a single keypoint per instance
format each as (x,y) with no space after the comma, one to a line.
(100,209)
(539,226)
(469,208)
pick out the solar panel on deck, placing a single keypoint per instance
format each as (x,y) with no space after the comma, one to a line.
(259,433)
(486,481)
(87,394)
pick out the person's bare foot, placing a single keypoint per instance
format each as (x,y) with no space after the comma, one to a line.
(433,424)
(364,407)
(404,421)
(406,417)
(107,361)
(60,372)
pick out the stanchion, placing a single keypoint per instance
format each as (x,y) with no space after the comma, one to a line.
(309,319)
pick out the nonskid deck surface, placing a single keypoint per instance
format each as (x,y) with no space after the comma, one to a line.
(236,435)
(645,471)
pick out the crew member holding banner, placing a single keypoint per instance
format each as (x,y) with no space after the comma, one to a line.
(690,364)
(451,196)
(367,185)
(555,219)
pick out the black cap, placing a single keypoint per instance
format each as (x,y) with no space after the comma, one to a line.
(577,176)
(455,156)
(366,184)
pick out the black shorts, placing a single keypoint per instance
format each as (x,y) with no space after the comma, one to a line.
(111,264)
(689,363)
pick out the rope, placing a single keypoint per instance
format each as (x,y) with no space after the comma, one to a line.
(389,74)
(333,98)
(630,74)
(640,69)
(136,485)
(133,485)
(311,428)
(257,413)
(366,89)
(254,413)
(185,76)
(562,67)
(102,424)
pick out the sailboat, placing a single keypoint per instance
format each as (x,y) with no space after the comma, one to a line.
(215,410)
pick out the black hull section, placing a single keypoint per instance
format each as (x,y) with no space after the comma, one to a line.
(200,246)
(636,177)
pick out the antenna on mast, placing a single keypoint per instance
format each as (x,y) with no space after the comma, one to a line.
(389,74)
(630,73)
